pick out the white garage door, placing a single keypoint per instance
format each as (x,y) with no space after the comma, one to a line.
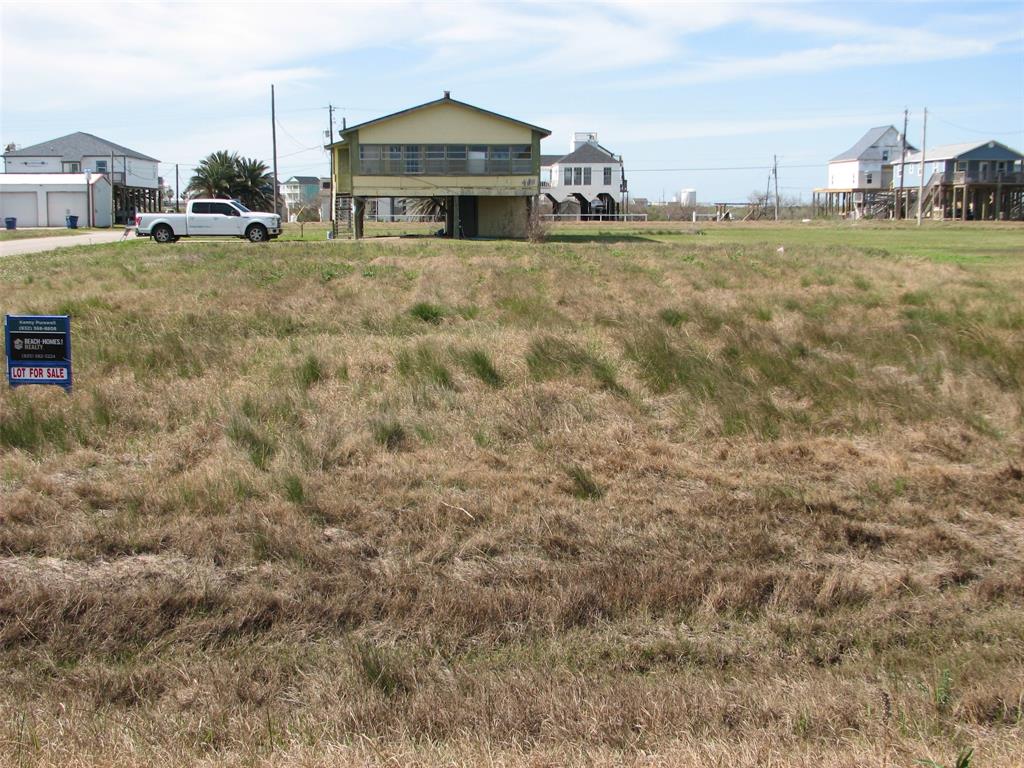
(20,205)
(59,204)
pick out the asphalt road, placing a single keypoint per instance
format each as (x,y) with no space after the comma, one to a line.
(40,244)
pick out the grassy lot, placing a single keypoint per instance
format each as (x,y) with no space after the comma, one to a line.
(26,234)
(317,231)
(938,241)
(649,498)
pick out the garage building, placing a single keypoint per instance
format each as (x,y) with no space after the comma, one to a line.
(46,199)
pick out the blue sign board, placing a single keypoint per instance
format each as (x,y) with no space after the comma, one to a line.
(38,349)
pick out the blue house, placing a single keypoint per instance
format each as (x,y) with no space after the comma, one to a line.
(975,180)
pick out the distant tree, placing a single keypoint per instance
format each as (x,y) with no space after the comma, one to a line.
(215,175)
(254,184)
(225,174)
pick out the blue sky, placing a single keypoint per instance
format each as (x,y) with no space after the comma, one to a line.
(668,85)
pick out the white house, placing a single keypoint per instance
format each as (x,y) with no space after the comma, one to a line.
(135,176)
(867,165)
(590,176)
(46,199)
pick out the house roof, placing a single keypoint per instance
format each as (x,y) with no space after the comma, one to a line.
(304,179)
(867,141)
(588,153)
(77,145)
(953,151)
(44,179)
(446,99)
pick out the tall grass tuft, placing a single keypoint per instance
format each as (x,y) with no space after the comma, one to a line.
(31,428)
(425,365)
(673,317)
(293,490)
(382,670)
(665,367)
(584,486)
(427,312)
(549,357)
(310,372)
(244,434)
(477,362)
(389,433)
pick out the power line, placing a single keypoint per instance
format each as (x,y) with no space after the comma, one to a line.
(723,168)
(975,130)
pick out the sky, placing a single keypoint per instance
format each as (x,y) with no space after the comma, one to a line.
(692,95)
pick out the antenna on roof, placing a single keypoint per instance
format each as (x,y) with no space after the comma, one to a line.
(447,94)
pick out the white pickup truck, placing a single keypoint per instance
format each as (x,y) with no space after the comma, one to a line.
(209,218)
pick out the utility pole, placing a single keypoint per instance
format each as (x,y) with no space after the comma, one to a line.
(273,133)
(775,173)
(903,164)
(330,140)
(920,185)
(177,190)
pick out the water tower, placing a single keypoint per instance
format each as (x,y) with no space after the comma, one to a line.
(688,198)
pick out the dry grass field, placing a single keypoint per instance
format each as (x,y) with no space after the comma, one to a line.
(646,498)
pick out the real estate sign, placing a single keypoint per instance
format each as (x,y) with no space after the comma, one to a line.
(38,349)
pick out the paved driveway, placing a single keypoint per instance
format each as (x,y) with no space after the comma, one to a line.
(38,244)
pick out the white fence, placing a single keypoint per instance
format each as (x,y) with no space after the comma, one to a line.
(594,216)
(406,217)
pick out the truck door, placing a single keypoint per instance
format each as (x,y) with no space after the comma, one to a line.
(198,220)
(225,219)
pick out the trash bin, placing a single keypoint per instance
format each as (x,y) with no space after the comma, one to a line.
(10,223)
(71,221)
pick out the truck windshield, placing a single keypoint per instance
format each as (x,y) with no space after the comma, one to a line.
(240,207)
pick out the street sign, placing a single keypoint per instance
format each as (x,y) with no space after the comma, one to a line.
(38,349)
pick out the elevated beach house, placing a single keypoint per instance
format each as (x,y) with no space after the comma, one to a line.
(481,168)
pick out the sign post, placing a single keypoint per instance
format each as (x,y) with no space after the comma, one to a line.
(38,349)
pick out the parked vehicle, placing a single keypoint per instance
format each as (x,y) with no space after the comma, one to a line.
(209,218)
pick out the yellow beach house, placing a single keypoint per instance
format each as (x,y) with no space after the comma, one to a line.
(483,168)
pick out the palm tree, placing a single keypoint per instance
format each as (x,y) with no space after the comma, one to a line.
(215,176)
(254,184)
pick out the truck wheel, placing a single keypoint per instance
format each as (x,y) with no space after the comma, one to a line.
(163,234)
(257,233)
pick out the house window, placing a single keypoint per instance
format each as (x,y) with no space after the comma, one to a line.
(867,178)
(885,155)
(394,159)
(445,159)
(522,158)
(567,177)
(435,158)
(70,167)
(961,166)
(586,177)
(413,160)
(456,154)
(101,166)
(498,160)
(1001,167)
(370,158)
(607,177)
(477,159)
(577,177)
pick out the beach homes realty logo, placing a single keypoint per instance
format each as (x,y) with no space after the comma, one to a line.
(38,349)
